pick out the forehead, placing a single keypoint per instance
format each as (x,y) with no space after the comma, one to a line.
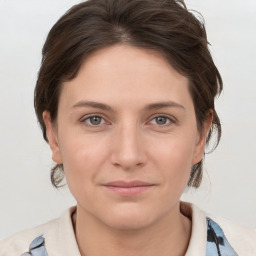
(126,74)
(122,58)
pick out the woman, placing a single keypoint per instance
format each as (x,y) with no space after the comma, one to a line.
(125,99)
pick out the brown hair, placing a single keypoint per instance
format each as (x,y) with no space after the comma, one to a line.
(165,26)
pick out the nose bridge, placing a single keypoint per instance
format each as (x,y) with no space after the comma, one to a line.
(128,151)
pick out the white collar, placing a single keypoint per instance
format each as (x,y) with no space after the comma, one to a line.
(61,240)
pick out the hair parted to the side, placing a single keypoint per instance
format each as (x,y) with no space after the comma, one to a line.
(165,26)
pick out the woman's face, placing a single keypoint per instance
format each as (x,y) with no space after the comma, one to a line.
(127,136)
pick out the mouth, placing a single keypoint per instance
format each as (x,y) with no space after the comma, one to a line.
(130,188)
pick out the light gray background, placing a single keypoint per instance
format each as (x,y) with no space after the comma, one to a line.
(26,196)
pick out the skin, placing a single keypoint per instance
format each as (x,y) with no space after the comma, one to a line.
(127,142)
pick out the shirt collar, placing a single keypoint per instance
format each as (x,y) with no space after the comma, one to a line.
(61,240)
(198,239)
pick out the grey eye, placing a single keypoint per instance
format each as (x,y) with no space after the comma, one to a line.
(94,120)
(161,120)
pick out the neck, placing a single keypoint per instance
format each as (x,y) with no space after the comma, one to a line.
(168,236)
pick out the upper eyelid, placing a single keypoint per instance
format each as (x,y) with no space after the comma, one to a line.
(84,117)
(163,115)
(102,115)
(172,118)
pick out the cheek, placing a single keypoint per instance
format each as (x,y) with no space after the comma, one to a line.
(83,157)
(176,151)
(174,158)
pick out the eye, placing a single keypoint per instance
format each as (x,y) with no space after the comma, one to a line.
(161,120)
(93,120)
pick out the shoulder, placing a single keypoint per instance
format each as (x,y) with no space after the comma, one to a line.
(55,237)
(241,238)
(19,243)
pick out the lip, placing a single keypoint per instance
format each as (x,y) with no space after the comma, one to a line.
(128,188)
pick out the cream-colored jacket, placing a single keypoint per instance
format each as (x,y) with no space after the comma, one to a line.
(60,238)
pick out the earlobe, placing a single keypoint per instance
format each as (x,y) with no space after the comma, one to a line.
(51,134)
(200,146)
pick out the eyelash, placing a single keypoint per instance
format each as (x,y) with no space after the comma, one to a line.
(170,120)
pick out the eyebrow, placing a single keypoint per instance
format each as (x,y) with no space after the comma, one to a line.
(152,106)
(93,104)
(166,104)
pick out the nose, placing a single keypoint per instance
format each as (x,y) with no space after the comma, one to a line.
(128,150)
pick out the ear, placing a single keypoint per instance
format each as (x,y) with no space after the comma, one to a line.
(200,145)
(52,137)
